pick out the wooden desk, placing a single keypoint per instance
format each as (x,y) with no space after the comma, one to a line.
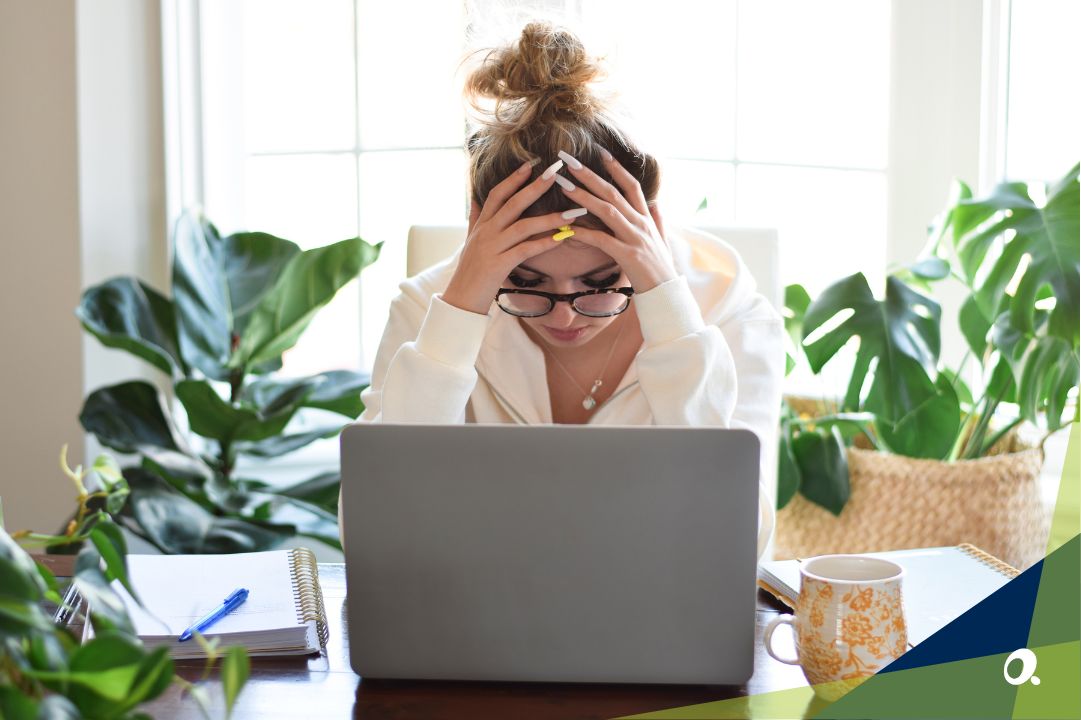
(324,686)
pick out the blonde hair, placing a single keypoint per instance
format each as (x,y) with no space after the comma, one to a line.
(533,98)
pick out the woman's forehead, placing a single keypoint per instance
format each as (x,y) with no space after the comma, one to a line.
(568,259)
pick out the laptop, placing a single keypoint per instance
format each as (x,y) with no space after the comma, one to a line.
(554,553)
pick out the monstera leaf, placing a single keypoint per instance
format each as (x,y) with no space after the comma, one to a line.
(1037,252)
(903,325)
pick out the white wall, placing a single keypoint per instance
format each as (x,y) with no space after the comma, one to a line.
(41,371)
(82,198)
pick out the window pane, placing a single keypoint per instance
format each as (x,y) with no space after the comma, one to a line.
(831,223)
(675,68)
(684,184)
(1043,113)
(311,200)
(407,58)
(298,75)
(814,82)
(397,190)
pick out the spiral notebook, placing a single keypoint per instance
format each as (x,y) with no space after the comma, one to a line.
(283,614)
(940,583)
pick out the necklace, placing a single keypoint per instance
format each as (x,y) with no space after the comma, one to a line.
(589,402)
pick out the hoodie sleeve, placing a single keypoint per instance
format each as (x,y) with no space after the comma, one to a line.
(424,369)
(726,375)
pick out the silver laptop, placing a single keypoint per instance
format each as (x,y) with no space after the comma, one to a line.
(560,553)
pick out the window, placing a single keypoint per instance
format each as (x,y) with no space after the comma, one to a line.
(1042,112)
(325,120)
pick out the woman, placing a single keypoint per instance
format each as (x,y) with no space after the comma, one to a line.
(609,321)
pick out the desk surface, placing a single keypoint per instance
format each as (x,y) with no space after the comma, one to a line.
(325,686)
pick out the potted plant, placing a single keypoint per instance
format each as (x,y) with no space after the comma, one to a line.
(44,670)
(910,455)
(238,303)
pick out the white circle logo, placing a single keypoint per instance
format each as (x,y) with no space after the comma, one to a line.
(1028,667)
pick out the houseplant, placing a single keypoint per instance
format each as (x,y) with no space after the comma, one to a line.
(238,303)
(947,454)
(44,671)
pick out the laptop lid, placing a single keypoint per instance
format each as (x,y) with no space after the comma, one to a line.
(562,553)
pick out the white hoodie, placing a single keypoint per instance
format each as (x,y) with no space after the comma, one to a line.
(712,355)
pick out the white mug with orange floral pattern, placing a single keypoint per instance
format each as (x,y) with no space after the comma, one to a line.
(850,621)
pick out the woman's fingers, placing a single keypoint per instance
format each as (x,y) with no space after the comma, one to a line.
(632,189)
(504,190)
(606,243)
(632,205)
(525,197)
(528,227)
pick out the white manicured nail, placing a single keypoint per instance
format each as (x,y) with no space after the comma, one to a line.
(576,212)
(552,170)
(570,160)
(564,183)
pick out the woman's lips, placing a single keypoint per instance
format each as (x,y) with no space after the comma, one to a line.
(570,334)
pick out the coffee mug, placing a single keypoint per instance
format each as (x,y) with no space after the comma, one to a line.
(850,621)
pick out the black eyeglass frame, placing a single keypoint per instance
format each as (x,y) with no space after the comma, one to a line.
(553,298)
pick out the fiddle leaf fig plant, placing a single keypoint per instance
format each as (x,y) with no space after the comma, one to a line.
(1016,259)
(238,303)
(45,672)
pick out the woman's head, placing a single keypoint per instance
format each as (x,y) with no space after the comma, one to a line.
(534,97)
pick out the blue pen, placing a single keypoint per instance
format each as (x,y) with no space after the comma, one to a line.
(231,603)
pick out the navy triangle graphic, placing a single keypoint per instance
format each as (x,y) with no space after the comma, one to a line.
(997,624)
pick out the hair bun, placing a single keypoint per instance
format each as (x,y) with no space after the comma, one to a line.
(545,76)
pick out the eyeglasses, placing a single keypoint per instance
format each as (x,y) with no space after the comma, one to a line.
(604,302)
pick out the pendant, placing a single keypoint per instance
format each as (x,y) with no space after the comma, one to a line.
(589,403)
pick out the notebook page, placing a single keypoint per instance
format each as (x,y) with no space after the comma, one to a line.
(177,590)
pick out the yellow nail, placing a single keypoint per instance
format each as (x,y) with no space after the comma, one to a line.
(564,233)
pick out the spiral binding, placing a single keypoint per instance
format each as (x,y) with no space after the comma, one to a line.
(989,560)
(306,591)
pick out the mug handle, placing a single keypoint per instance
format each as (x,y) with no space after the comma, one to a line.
(768,640)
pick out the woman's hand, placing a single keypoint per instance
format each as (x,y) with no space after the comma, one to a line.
(639,245)
(497,241)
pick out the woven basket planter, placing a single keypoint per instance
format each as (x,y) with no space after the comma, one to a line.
(896,502)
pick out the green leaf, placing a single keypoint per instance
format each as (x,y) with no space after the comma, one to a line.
(339,392)
(930,268)
(321,490)
(703,205)
(127,314)
(154,676)
(128,416)
(796,302)
(308,520)
(788,475)
(235,669)
(253,261)
(308,282)
(212,416)
(201,294)
(14,705)
(1050,372)
(107,611)
(929,429)
(109,540)
(178,524)
(974,325)
(283,444)
(903,325)
(823,465)
(1043,237)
